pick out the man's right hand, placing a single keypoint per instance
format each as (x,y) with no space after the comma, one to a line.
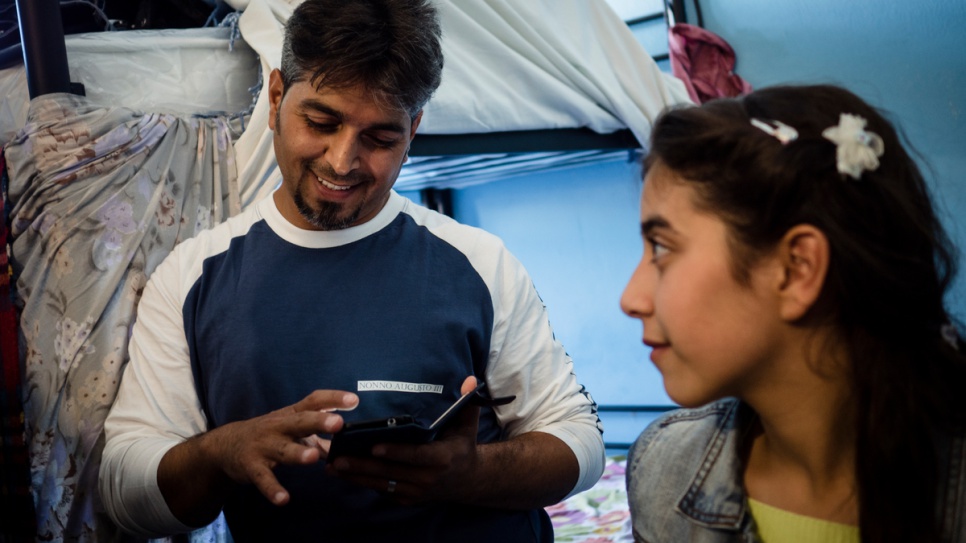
(247,452)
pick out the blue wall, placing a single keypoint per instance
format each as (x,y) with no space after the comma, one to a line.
(576,230)
(908,58)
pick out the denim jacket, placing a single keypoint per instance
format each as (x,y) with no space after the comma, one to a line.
(684,478)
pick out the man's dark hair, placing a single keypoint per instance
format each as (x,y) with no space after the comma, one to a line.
(390,47)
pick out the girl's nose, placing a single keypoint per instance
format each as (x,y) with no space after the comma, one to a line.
(637,301)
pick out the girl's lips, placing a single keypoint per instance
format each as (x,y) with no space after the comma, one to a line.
(657,349)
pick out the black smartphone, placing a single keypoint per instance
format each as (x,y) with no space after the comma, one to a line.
(358,438)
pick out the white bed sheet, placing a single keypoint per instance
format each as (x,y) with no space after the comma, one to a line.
(542,64)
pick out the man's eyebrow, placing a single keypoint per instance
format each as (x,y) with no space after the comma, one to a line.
(654,223)
(326,110)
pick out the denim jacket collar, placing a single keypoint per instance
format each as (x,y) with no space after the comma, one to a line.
(692,458)
(715,497)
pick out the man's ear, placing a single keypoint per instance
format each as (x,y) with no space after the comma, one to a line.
(804,256)
(412,134)
(276,89)
(415,125)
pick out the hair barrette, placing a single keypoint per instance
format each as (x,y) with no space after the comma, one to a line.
(857,149)
(776,129)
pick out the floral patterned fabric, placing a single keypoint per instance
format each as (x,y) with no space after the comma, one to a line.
(99,197)
(599,514)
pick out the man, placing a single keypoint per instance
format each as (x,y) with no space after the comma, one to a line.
(250,335)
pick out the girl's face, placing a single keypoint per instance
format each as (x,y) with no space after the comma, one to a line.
(710,336)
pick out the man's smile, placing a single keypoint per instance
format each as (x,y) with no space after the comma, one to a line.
(332,186)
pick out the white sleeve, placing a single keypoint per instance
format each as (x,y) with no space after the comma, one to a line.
(156,408)
(526,360)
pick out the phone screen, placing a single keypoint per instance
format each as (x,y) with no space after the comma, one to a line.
(358,438)
(456,406)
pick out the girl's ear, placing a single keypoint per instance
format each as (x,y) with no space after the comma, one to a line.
(804,256)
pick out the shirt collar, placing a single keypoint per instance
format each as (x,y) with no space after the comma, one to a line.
(315,239)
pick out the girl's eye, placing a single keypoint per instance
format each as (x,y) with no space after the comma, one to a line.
(657,249)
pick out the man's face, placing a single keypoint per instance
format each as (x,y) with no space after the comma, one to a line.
(339,151)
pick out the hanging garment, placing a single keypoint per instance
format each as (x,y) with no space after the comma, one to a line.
(705,62)
(100,196)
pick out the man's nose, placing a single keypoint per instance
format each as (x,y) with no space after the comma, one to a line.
(343,153)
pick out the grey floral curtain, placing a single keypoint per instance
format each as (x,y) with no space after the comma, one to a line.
(99,197)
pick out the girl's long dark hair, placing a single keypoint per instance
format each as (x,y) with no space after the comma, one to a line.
(891,264)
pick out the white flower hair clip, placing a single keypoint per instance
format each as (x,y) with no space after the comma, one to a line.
(776,129)
(857,149)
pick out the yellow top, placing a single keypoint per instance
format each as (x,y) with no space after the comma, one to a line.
(780,526)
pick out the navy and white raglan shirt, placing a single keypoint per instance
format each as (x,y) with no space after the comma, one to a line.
(255,314)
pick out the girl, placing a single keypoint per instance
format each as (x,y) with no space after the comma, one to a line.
(791,292)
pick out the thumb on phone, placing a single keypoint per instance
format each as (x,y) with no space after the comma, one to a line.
(468,385)
(467,421)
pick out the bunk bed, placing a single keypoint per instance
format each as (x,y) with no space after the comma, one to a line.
(565,89)
(558,83)
(598,92)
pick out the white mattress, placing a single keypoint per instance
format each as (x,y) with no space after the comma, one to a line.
(181,71)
